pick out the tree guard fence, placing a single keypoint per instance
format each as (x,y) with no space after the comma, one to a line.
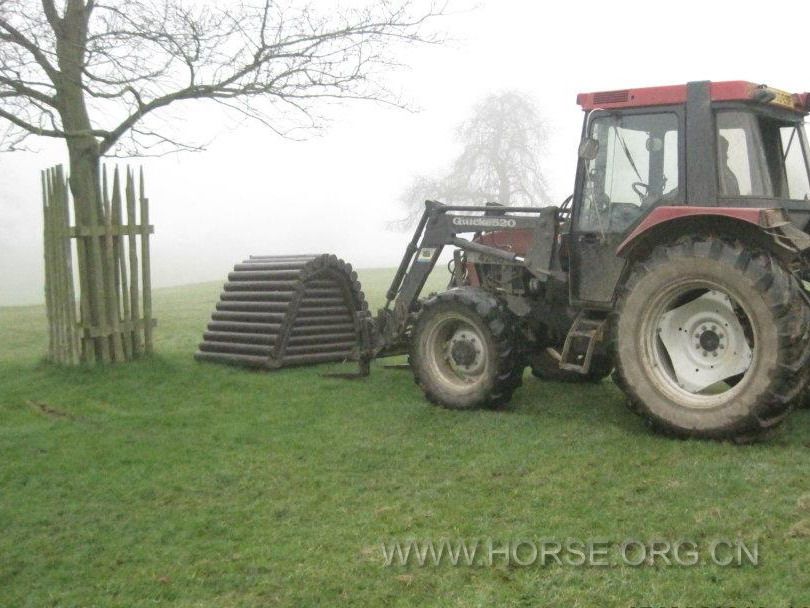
(111,320)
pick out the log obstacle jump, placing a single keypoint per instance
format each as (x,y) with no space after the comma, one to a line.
(110,251)
(277,311)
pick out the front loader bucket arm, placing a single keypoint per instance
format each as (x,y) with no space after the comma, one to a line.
(408,282)
(438,227)
(396,282)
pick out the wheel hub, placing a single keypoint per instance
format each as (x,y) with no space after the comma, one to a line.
(710,340)
(705,341)
(465,352)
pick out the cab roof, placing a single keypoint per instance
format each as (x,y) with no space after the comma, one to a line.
(733,90)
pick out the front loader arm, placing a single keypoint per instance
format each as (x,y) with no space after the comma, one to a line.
(438,227)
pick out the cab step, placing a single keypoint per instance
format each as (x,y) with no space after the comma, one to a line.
(580,343)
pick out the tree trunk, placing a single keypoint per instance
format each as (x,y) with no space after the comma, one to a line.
(84,177)
(85,187)
(501,170)
(504,184)
(83,149)
(83,153)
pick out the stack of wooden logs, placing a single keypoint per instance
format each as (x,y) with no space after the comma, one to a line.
(278,311)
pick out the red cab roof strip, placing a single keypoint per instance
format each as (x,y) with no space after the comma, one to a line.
(734,90)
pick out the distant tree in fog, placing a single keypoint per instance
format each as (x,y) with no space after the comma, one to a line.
(502,146)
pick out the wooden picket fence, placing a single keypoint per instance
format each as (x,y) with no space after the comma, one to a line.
(111,320)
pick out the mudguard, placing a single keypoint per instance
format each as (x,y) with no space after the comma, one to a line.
(667,219)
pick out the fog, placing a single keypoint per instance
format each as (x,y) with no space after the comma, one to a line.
(253,192)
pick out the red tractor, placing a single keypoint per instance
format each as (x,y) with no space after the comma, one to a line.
(679,263)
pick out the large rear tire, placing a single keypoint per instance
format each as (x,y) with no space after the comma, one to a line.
(463,351)
(708,338)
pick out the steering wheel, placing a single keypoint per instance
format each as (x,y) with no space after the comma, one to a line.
(638,187)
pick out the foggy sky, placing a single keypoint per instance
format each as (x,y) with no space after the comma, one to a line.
(252,192)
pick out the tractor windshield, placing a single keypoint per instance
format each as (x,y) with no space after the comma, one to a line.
(635,167)
(762,157)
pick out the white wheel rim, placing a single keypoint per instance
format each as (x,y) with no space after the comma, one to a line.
(456,351)
(700,344)
(464,339)
(705,342)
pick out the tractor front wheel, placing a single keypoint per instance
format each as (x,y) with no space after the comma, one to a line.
(708,337)
(463,352)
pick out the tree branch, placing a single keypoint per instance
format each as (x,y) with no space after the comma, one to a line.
(272,62)
(51,15)
(15,36)
(22,89)
(33,129)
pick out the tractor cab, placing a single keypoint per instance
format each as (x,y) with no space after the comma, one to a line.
(706,145)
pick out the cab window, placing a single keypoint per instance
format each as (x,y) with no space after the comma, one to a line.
(762,157)
(796,183)
(741,166)
(636,166)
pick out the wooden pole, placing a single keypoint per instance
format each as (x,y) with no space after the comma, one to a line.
(88,345)
(133,265)
(110,268)
(54,214)
(56,271)
(146,270)
(70,294)
(122,265)
(60,268)
(46,232)
(95,275)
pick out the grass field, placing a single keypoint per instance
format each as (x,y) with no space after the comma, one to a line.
(168,482)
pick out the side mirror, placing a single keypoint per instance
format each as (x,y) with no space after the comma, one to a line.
(588,148)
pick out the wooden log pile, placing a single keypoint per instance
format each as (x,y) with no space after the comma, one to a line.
(278,311)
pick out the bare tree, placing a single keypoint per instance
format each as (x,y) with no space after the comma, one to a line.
(95,72)
(503,144)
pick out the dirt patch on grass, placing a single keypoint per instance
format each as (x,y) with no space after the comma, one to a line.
(49,411)
(800,529)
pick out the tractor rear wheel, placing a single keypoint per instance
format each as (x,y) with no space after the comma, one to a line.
(708,338)
(463,351)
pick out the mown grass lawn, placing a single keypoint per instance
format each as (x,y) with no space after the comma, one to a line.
(168,482)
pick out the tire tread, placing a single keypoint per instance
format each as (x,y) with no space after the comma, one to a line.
(501,324)
(791,314)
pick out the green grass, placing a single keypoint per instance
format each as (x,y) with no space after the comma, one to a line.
(168,482)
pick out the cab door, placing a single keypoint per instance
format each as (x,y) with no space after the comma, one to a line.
(635,167)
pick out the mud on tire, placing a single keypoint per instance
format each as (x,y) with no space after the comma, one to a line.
(777,322)
(466,319)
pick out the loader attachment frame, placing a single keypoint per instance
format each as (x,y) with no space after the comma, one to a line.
(439,227)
